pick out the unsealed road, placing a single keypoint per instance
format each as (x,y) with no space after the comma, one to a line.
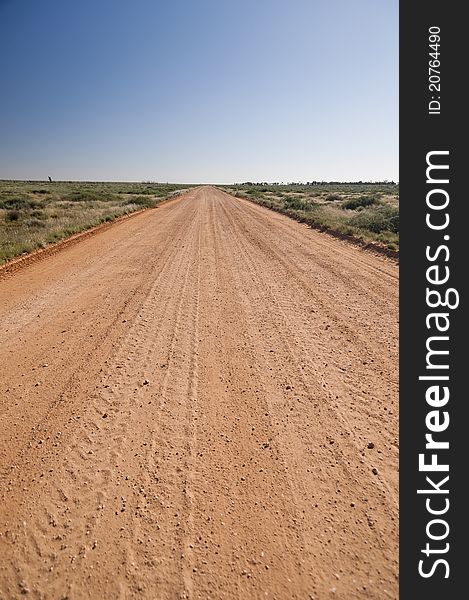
(200,402)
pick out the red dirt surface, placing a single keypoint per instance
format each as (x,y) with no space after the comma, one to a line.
(200,402)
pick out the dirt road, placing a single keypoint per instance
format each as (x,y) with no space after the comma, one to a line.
(200,402)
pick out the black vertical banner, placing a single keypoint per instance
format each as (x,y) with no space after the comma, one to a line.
(434,434)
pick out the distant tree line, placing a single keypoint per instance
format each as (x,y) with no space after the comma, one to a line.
(323,183)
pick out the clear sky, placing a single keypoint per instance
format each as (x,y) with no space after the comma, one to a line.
(199,90)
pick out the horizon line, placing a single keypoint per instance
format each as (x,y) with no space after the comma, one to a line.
(154,182)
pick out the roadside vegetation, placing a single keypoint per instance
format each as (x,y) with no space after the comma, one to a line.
(366,212)
(34,214)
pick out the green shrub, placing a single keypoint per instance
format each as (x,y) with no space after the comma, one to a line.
(141,201)
(12,215)
(360,202)
(381,218)
(298,204)
(333,198)
(18,203)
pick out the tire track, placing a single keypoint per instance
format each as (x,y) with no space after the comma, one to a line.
(287,332)
(215,375)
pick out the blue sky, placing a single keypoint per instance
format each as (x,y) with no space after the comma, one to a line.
(199,90)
